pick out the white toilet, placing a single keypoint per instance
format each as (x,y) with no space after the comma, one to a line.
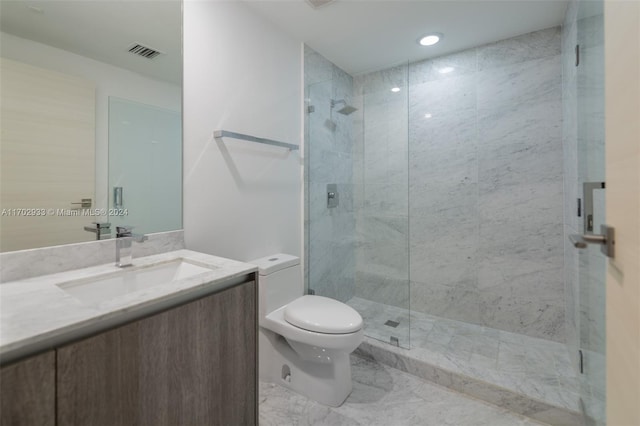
(305,341)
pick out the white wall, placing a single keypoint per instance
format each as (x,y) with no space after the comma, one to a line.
(242,200)
(109,81)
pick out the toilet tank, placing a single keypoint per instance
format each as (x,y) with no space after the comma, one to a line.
(280,281)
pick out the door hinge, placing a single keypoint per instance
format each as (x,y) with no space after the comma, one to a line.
(580,361)
(579,207)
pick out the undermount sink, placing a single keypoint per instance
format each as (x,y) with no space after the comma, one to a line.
(117,284)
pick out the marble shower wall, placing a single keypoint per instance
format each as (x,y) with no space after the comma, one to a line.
(382,196)
(483,219)
(330,233)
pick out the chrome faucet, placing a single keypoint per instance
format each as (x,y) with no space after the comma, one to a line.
(124,240)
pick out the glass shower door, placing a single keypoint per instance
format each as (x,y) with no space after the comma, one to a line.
(591,178)
(329,205)
(357,194)
(381,200)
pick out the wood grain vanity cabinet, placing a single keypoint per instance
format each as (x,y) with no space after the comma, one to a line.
(195,364)
(27,390)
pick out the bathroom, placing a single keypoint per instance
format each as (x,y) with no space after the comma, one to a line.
(432,189)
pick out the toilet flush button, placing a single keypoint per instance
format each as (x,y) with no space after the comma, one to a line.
(273,259)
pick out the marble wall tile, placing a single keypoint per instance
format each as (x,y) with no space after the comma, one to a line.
(524,48)
(528,82)
(463,63)
(388,260)
(321,128)
(443,167)
(521,231)
(485,182)
(316,67)
(317,201)
(379,287)
(452,131)
(331,272)
(382,81)
(443,198)
(388,199)
(526,122)
(22,264)
(449,301)
(535,302)
(383,229)
(161,242)
(437,241)
(346,193)
(384,166)
(532,318)
(444,96)
(520,163)
(438,270)
(386,133)
(342,85)
(541,286)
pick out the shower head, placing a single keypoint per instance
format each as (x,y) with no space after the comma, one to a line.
(346,109)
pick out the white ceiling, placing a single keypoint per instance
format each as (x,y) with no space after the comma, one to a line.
(367,35)
(357,35)
(104,30)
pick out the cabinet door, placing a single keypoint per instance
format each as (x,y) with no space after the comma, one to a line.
(27,390)
(192,365)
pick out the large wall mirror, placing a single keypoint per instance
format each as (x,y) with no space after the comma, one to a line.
(90,103)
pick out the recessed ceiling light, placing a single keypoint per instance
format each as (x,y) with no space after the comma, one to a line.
(446,70)
(428,115)
(430,39)
(395,89)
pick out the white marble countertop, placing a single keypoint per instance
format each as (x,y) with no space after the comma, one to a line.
(36,314)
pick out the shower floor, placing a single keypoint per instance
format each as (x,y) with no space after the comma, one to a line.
(525,373)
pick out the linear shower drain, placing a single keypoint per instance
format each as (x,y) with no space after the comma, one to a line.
(392,323)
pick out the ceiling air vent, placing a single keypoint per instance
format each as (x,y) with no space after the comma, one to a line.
(319,3)
(144,51)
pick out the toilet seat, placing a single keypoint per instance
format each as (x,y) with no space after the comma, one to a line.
(322,315)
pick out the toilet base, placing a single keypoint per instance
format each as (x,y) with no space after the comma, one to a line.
(328,384)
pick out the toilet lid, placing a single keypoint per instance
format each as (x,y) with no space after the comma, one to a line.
(322,315)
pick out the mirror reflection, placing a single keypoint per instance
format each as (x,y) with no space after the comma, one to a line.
(91,107)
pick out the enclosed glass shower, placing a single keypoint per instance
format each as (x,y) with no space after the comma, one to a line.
(439,198)
(357,194)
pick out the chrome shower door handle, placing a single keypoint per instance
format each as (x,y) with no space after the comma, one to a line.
(606,239)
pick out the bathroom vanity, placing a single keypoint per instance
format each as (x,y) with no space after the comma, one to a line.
(182,352)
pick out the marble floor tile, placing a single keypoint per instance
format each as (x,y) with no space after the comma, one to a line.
(524,367)
(384,396)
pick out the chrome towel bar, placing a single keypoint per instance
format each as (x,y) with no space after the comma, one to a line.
(218,134)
